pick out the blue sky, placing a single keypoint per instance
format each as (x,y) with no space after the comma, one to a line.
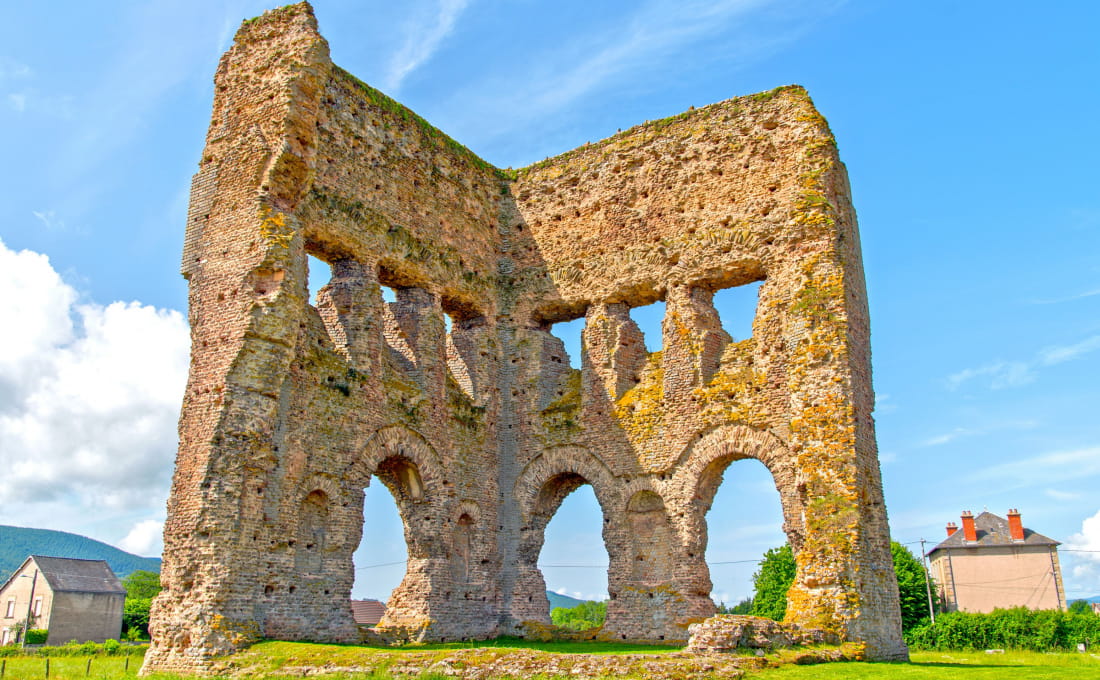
(969,131)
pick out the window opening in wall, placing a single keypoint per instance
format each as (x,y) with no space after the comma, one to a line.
(573,560)
(744,521)
(389,294)
(569,332)
(320,273)
(10,612)
(736,308)
(37,610)
(649,318)
(382,554)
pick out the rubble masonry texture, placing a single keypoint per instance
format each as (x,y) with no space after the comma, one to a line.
(293,408)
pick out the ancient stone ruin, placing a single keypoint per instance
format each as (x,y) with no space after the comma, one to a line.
(294,405)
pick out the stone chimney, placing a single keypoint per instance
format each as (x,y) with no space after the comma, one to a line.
(969,532)
(951,529)
(1015,526)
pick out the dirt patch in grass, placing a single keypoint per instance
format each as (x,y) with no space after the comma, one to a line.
(508,660)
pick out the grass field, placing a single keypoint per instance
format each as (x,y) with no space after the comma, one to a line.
(954,666)
(274,655)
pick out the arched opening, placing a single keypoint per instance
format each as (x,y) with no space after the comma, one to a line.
(573,559)
(382,554)
(743,519)
(387,542)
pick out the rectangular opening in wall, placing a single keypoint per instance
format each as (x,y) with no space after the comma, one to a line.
(649,318)
(569,332)
(318,275)
(736,308)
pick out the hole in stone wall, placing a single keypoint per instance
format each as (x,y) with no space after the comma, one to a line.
(574,558)
(380,560)
(744,521)
(320,273)
(569,332)
(649,318)
(736,308)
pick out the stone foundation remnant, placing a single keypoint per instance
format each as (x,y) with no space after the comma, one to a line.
(295,405)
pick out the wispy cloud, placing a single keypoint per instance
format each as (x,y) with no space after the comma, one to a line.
(1067,298)
(49,219)
(962,432)
(11,69)
(423,41)
(1003,374)
(1060,495)
(1058,354)
(658,41)
(1048,468)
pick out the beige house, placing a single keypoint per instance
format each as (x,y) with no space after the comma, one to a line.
(997,563)
(74,599)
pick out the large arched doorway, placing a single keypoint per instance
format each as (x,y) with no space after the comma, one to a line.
(542,491)
(744,519)
(381,559)
(573,559)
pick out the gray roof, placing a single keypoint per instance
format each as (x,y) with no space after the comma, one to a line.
(68,575)
(992,532)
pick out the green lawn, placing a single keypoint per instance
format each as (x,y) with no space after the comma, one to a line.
(269,657)
(70,667)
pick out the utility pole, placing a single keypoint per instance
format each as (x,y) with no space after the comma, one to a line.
(30,604)
(927,582)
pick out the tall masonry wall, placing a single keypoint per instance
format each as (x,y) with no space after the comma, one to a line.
(293,407)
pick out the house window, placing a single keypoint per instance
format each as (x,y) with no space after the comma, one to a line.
(38,606)
(5,637)
(11,609)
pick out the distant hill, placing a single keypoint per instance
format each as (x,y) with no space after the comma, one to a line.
(17,543)
(557,600)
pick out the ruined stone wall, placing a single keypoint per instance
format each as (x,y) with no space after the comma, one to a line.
(295,405)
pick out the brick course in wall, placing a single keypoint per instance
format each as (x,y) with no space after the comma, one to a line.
(294,406)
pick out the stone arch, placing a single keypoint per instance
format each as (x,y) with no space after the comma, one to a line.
(699,473)
(540,488)
(411,469)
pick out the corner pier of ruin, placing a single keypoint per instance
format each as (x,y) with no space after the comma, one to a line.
(480,427)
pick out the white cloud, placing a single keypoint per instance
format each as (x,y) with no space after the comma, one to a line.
(1086,564)
(423,41)
(89,396)
(144,538)
(18,102)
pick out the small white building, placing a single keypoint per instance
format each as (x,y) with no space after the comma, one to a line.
(74,599)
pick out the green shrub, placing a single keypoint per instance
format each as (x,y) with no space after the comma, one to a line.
(584,616)
(1041,630)
(37,636)
(111,647)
